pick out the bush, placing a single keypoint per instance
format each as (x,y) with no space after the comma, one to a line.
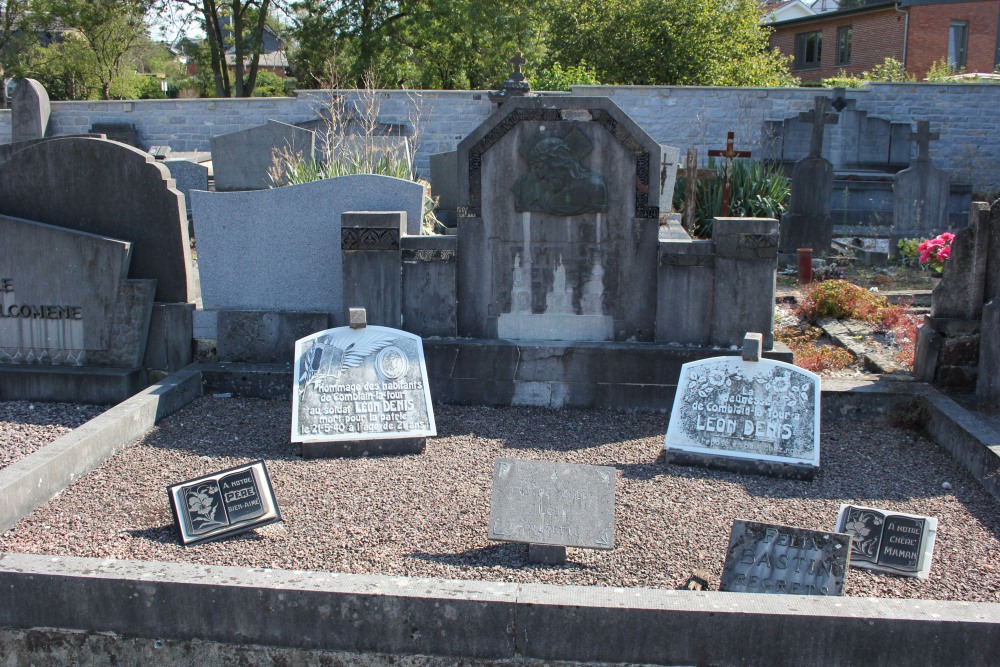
(557,78)
(846,301)
(757,190)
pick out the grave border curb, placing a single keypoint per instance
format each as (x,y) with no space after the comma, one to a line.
(472,619)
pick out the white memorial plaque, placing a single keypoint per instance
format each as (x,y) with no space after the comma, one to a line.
(761,411)
(368,383)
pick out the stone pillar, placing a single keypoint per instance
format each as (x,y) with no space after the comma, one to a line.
(988,380)
(429,300)
(685,288)
(743,293)
(373,264)
(29,111)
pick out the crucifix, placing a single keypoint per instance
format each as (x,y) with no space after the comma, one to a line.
(517,61)
(729,154)
(923,136)
(819,117)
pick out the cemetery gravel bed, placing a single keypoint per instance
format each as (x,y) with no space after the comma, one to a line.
(426,515)
(27,426)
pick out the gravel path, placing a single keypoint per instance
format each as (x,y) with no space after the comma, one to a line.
(26,426)
(427,515)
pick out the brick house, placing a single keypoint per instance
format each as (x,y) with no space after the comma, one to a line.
(915,32)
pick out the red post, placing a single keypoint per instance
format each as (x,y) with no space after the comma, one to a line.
(805,265)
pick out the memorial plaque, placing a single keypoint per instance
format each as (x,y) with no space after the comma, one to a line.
(558,504)
(223,503)
(759,412)
(765,558)
(889,541)
(368,383)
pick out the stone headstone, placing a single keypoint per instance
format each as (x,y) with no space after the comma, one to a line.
(748,416)
(188,176)
(920,193)
(361,391)
(988,377)
(558,223)
(889,541)
(444,185)
(766,558)
(807,223)
(30,111)
(241,160)
(254,254)
(75,308)
(557,504)
(123,133)
(670,158)
(961,292)
(106,188)
(224,503)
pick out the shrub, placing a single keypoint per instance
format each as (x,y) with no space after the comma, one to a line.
(843,300)
(757,190)
(810,354)
(558,78)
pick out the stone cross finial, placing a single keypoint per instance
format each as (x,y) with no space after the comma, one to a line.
(819,117)
(517,61)
(358,318)
(923,136)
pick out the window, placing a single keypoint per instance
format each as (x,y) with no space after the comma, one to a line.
(958,40)
(844,45)
(808,49)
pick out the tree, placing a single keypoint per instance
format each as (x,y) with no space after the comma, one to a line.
(667,42)
(112,29)
(12,13)
(236,24)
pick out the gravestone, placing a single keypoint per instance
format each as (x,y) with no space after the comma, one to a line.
(807,223)
(444,185)
(361,390)
(224,503)
(920,194)
(988,377)
(746,415)
(106,188)
(76,308)
(30,110)
(254,255)
(188,176)
(553,504)
(670,158)
(889,541)
(773,559)
(241,160)
(558,223)
(123,133)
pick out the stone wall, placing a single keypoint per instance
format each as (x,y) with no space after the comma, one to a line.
(673,115)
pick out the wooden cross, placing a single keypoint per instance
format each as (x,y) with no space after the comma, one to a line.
(923,136)
(517,61)
(729,154)
(819,117)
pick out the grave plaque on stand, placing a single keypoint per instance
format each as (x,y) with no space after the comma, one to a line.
(361,390)
(889,541)
(757,416)
(223,503)
(551,506)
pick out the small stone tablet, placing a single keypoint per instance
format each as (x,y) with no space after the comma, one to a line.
(360,385)
(889,541)
(559,504)
(223,503)
(765,558)
(750,416)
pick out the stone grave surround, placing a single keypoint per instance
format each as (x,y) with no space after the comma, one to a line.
(558,223)
(110,189)
(957,344)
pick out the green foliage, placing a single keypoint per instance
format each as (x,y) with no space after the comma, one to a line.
(65,68)
(909,252)
(888,71)
(844,80)
(558,78)
(941,71)
(843,300)
(757,190)
(270,84)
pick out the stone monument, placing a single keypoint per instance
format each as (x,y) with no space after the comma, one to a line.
(889,541)
(920,194)
(30,111)
(242,160)
(807,223)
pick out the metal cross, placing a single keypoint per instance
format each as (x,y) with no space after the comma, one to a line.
(923,136)
(819,117)
(729,154)
(517,61)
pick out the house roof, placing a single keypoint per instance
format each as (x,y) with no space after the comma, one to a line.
(870,6)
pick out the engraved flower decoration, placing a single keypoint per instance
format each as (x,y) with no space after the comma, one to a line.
(716,377)
(781,383)
(857,527)
(201,502)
